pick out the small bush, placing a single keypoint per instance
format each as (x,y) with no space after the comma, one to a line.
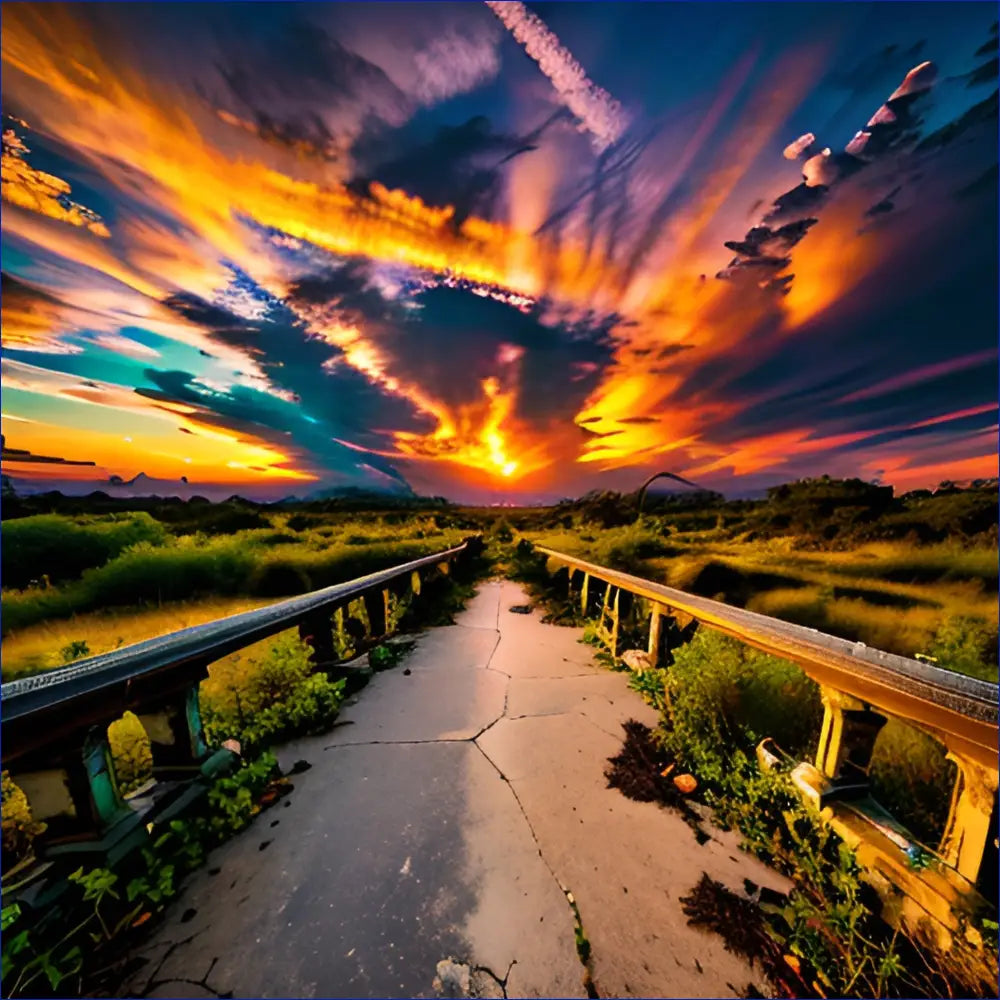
(967,646)
(131,752)
(724,695)
(273,698)
(19,828)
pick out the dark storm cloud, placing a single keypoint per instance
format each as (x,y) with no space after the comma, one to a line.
(461,166)
(444,331)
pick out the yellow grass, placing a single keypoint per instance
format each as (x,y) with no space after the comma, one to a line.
(38,647)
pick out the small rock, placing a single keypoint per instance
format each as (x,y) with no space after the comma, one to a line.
(452,979)
(637,660)
(189,914)
(685,783)
(264,845)
(299,766)
(520,609)
(407,672)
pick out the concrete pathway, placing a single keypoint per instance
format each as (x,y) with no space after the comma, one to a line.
(429,849)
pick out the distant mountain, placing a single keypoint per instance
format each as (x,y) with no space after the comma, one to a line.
(359,493)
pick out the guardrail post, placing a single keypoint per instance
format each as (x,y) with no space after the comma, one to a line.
(76,794)
(317,632)
(177,738)
(971,818)
(655,625)
(415,583)
(846,742)
(585,594)
(377,606)
(615,618)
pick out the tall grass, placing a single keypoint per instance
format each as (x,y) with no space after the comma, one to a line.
(42,646)
(62,549)
(247,563)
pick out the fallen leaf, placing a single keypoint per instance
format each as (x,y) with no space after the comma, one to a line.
(685,783)
(793,963)
(141,919)
(667,770)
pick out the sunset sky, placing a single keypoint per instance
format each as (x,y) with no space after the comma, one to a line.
(497,251)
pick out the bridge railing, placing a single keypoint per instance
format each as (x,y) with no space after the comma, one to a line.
(860,687)
(54,725)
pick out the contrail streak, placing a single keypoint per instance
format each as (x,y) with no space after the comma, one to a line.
(599,113)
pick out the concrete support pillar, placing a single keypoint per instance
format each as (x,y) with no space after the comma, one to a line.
(846,742)
(971,819)
(317,632)
(75,792)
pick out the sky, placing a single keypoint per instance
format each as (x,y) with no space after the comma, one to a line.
(498,252)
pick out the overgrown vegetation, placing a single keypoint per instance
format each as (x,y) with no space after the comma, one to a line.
(826,938)
(260,700)
(58,950)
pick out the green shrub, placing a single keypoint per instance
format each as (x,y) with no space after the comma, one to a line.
(724,696)
(53,546)
(913,778)
(274,699)
(19,828)
(967,646)
(131,752)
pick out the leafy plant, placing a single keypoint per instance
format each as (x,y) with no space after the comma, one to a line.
(74,651)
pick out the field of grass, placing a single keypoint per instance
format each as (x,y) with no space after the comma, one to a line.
(894,596)
(59,641)
(278,560)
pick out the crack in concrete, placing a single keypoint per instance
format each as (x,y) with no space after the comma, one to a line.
(588,981)
(502,983)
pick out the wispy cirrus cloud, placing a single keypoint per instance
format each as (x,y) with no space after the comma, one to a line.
(597,111)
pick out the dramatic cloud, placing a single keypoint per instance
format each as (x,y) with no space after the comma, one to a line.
(598,112)
(294,247)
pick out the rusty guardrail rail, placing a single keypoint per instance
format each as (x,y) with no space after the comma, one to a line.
(860,687)
(54,725)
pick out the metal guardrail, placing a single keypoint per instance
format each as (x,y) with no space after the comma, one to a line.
(54,724)
(962,710)
(860,687)
(28,703)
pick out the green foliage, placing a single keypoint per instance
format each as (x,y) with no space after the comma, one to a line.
(74,650)
(721,700)
(192,565)
(652,686)
(966,645)
(37,947)
(725,695)
(61,549)
(19,828)
(912,777)
(276,698)
(131,752)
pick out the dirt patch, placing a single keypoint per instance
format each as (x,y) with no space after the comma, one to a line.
(644,771)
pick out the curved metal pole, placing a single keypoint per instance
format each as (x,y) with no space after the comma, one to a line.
(652,479)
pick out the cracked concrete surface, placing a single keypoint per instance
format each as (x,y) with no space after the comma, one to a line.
(440,830)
